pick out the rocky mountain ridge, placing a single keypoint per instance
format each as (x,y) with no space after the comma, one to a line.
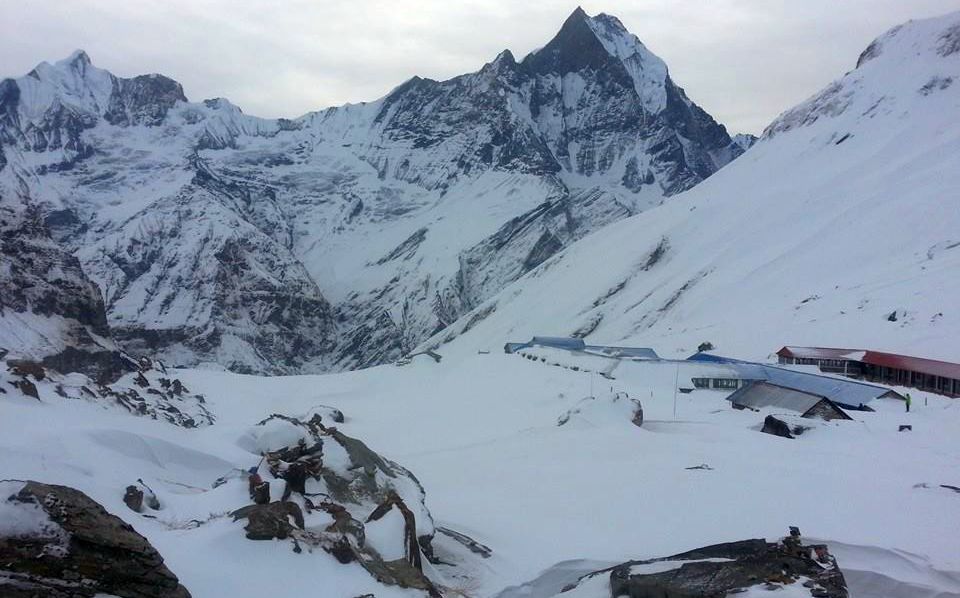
(838,228)
(345,237)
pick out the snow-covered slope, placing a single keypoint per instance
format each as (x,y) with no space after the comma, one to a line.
(550,501)
(843,214)
(840,227)
(347,236)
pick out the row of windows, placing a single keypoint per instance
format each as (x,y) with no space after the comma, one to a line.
(716,383)
(828,363)
(948,386)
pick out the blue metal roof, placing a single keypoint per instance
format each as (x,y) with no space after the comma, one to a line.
(842,391)
(710,357)
(578,344)
(758,394)
(761,393)
(559,342)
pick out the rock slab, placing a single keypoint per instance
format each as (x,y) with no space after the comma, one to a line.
(84,551)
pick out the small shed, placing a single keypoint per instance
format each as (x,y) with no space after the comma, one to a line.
(762,393)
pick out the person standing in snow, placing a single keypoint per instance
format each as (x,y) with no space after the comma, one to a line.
(908,402)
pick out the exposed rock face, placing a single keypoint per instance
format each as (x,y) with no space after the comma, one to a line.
(245,298)
(69,546)
(57,285)
(149,393)
(334,489)
(205,271)
(142,100)
(726,570)
(745,140)
(50,309)
(271,520)
(219,237)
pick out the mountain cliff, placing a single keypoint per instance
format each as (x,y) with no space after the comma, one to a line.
(347,236)
(838,228)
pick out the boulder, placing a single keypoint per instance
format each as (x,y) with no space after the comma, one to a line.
(726,569)
(66,544)
(327,414)
(272,520)
(133,498)
(25,367)
(327,475)
(28,388)
(777,427)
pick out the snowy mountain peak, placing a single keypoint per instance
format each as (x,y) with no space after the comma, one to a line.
(603,43)
(73,81)
(72,94)
(504,58)
(78,59)
(574,48)
(865,172)
(622,44)
(646,69)
(916,60)
(217,237)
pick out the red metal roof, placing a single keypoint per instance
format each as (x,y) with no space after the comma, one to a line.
(931,367)
(821,353)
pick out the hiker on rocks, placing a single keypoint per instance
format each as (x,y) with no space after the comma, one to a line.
(908,402)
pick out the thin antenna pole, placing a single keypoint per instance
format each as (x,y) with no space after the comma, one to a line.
(676,385)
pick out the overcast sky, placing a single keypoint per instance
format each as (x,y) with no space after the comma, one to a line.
(744,61)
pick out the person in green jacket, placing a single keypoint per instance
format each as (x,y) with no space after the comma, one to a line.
(908,402)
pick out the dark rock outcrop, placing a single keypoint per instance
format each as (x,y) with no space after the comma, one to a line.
(727,569)
(46,286)
(270,521)
(776,427)
(144,99)
(357,490)
(84,551)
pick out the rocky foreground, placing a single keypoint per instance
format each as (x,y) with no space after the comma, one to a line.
(728,569)
(56,542)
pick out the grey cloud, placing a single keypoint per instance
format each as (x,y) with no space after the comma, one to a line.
(744,61)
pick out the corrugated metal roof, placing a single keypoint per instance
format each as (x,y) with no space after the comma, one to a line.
(821,353)
(710,357)
(932,367)
(944,369)
(842,391)
(761,394)
(560,342)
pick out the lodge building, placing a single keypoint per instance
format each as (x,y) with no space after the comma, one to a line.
(941,377)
